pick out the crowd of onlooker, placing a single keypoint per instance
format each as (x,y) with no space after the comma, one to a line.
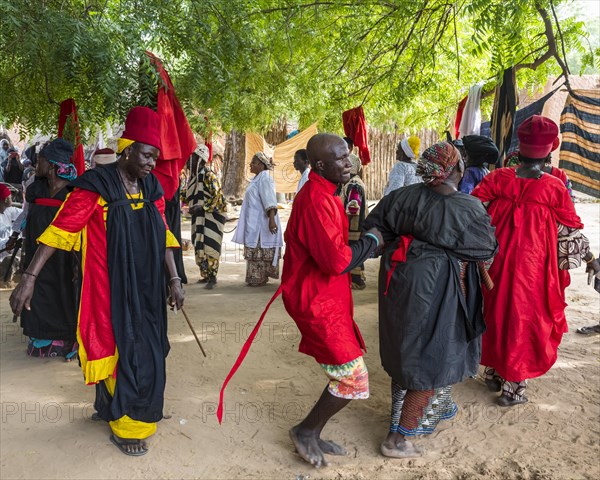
(16,173)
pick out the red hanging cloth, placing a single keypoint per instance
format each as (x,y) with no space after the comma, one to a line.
(68,112)
(355,127)
(177,138)
(459,115)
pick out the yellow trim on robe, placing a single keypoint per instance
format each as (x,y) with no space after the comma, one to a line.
(127,427)
(171,240)
(61,239)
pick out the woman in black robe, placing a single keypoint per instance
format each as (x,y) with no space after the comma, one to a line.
(51,322)
(430,316)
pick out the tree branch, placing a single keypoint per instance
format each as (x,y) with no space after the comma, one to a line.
(551,51)
(266,11)
(50,99)
(15,76)
(456,45)
(562,41)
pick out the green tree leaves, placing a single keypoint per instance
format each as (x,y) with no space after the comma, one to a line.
(243,64)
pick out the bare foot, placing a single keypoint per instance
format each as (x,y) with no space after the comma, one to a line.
(307,447)
(396,446)
(331,448)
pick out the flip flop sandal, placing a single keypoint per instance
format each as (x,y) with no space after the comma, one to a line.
(506,401)
(493,384)
(122,444)
(589,330)
(96,417)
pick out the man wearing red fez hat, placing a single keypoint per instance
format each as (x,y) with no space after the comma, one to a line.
(115,215)
(525,311)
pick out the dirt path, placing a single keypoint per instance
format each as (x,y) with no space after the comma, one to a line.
(46,431)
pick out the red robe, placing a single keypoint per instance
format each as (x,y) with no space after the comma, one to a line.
(315,292)
(525,312)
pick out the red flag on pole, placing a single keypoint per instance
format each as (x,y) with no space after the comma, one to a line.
(177,138)
(68,128)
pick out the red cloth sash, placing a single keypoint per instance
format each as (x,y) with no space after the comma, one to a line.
(243,353)
(48,202)
(399,256)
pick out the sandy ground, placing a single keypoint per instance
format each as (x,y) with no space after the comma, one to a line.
(46,431)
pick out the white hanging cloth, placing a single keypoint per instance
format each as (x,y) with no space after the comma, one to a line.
(470,123)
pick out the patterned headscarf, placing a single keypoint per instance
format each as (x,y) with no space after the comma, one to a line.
(437,163)
(65,170)
(59,152)
(266,161)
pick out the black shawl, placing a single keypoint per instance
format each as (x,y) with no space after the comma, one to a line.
(136,244)
(429,331)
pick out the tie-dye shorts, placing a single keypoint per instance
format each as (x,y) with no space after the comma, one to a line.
(350,380)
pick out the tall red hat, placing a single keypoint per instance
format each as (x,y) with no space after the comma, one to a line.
(143,125)
(538,136)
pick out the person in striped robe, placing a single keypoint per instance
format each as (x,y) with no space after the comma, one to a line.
(206,204)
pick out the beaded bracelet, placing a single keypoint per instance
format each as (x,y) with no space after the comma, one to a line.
(175,278)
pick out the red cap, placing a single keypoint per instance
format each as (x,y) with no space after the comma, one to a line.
(538,136)
(4,192)
(143,125)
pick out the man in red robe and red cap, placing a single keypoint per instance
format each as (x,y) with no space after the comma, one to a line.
(316,291)
(115,216)
(525,311)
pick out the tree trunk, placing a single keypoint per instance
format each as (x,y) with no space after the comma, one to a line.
(277,133)
(234,165)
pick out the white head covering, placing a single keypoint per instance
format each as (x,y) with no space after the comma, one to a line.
(105,156)
(202,152)
(266,161)
(407,150)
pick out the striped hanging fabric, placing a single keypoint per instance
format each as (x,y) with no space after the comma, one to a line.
(503,113)
(580,148)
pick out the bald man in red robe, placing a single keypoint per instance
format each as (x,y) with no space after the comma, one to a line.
(316,291)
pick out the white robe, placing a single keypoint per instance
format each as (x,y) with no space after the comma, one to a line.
(253,226)
(303,179)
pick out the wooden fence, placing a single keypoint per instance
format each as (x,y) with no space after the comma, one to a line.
(375,175)
(382,146)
